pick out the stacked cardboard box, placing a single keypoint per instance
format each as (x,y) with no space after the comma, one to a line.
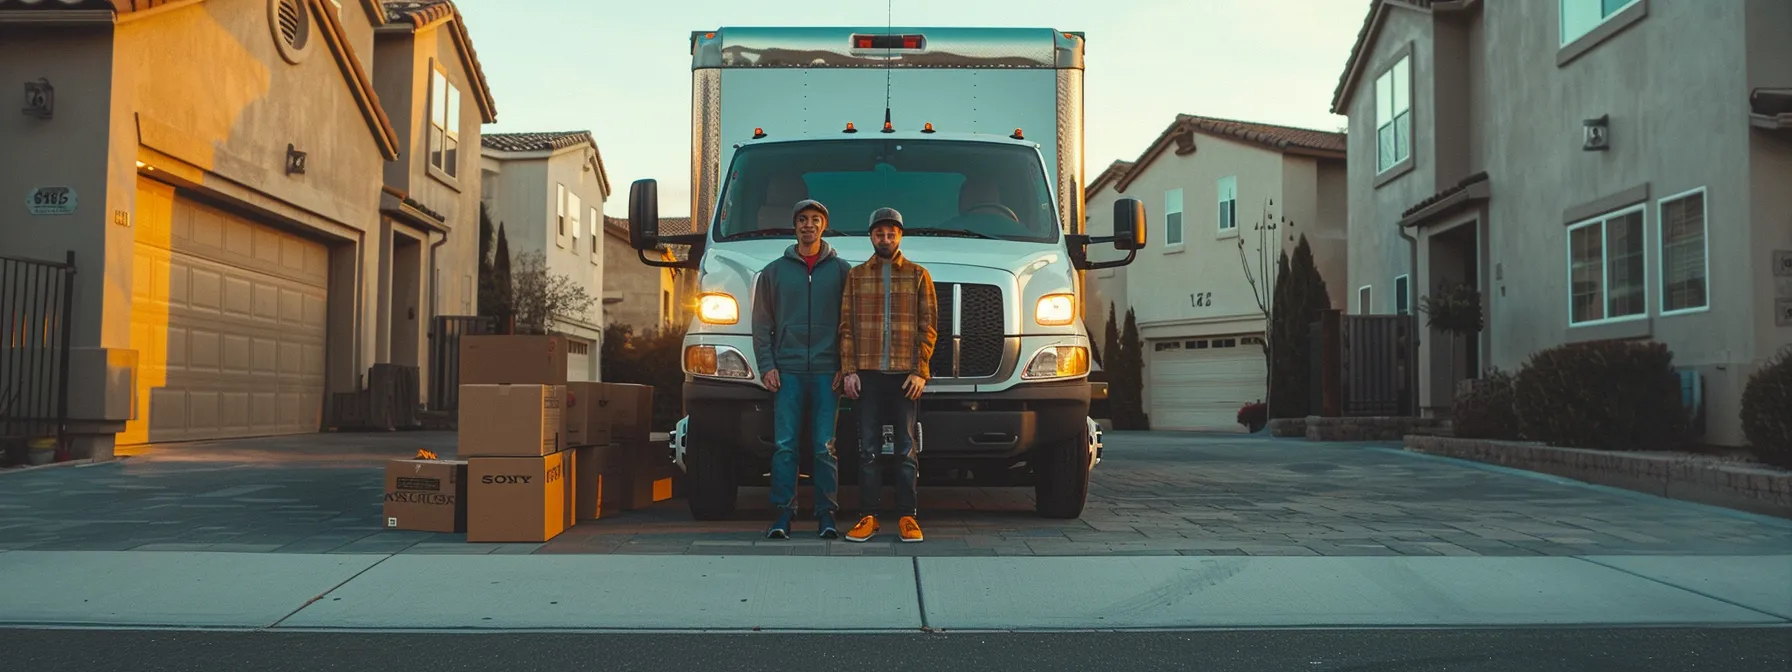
(619,467)
(520,478)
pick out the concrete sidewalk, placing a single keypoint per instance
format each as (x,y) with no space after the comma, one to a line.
(686,593)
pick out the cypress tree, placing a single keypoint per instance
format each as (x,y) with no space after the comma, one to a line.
(488,288)
(1299,301)
(501,280)
(1133,384)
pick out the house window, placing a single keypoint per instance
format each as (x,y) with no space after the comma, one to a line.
(1173,217)
(1580,17)
(572,216)
(560,202)
(1403,295)
(444,124)
(1228,192)
(1685,257)
(1393,115)
(597,224)
(1364,302)
(1605,268)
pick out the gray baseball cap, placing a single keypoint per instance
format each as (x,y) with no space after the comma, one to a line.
(808,204)
(886,216)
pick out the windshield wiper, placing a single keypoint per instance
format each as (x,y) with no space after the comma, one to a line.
(934,231)
(763,233)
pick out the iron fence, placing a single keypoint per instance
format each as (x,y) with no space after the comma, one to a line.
(1379,365)
(36,302)
(445,332)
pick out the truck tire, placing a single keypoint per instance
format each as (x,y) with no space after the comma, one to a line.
(711,485)
(1062,472)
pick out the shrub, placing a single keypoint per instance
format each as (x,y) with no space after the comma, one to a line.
(1485,410)
(653,358)
(1607,395)
(1767,410)
(1254,415)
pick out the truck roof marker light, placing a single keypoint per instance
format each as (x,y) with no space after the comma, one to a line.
(889,128)
(928,128)
(758,133)
(709,36)
(1018,135)
(849,128)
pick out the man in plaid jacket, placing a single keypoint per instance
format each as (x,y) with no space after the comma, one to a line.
(887,332)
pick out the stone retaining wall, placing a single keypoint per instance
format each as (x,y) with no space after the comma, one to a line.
(1288,427)
(1368,429)
(1691,478)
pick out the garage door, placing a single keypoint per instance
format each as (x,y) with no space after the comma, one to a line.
(227,317)
(1201,383)
(578,360)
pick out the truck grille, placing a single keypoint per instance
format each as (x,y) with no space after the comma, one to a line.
(981,328)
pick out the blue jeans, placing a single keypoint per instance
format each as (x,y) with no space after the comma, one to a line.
(805,399)
(882,402)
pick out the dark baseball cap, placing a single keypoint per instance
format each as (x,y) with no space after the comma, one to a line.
(886,216)
(808,204)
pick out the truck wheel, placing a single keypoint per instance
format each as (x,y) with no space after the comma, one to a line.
(711,485)
(1062,485)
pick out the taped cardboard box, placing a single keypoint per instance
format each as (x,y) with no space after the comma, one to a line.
(587,414)
(426,495)
(631,411)
(517,499)
(512,359)
(649,475)
(601,486)
(510,420)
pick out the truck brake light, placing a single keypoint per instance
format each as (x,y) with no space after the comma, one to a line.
(889,42)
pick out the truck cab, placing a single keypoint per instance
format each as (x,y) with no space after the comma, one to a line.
(993,211)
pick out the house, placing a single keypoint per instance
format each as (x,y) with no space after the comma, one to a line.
(1208,184)
(636,294)
(1583,164)
(548,190)
(254,228)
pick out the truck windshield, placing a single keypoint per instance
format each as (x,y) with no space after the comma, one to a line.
(941,187)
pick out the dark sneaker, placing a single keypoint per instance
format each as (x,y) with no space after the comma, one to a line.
(828,531)
(780,528)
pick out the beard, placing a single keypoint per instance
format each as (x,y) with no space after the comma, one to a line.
(886,251)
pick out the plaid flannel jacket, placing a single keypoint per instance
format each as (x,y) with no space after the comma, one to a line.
(913,314)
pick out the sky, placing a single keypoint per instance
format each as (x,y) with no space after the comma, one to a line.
(621,68)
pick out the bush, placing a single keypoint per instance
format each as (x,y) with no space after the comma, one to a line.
(1607,395)
(655,359)
(1486,411)
(1254,416)
(1767,410)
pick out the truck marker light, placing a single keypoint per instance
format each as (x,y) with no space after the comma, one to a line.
(849,128)
(758,133)
(928,128)
(1018,135)
(888,128)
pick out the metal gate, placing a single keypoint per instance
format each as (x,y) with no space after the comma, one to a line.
(36,301)
(444,356)
(1378,365)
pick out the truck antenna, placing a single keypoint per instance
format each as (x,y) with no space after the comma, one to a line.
(889,29)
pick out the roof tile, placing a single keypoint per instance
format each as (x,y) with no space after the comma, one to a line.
(421,13)
(534,142)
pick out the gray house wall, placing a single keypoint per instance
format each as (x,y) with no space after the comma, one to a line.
(1378,253)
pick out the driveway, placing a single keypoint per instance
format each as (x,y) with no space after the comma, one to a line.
(1156,493)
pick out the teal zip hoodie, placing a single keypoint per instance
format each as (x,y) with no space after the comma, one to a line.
(796,313)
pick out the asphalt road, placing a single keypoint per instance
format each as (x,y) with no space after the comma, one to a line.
(1456,650)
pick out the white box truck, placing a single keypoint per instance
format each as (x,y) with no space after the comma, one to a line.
(976,136)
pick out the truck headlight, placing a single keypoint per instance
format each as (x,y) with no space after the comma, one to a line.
(1055,310)
(717,309)
(715,360)
(1058,361)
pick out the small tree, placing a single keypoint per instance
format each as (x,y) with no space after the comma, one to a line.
(1128,399)
(1456,310)
(1110,344)
(490,303)
(1256,262)
(541,298)
(1301,299)
(503,290)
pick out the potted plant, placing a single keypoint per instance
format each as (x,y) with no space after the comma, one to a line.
(1254,416)
(1456,310)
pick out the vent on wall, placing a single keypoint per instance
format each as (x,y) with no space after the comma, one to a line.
(291,23)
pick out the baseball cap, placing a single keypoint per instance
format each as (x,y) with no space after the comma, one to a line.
(886,216)
(808,204)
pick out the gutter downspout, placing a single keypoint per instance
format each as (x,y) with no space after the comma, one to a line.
(1412,300)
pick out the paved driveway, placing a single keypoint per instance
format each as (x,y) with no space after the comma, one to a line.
(1156,493)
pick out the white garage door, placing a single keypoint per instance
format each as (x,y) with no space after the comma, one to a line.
(578,360)
(228,319)
(1200,383)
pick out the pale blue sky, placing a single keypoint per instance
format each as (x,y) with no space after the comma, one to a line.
(621,68)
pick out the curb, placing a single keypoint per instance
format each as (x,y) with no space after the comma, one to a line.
(82,463)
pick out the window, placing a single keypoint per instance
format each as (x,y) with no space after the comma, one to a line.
(444,124)
(560,202)
(1173,217)
(1580,17)
(1364,304)
(1685,257)
(1228,192)
(1605,268)
(1161,346)
(597,228)
(572,216)
(1403,295)
(1393,115)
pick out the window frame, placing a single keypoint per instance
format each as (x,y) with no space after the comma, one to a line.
(1403,294)
(573,206)
(1661,250)
(560,213)
(1175,196)
(1562,18)
(597,231)
(1365,300)
(1605,266)
(1227,207)
(1402,65)
(442,134)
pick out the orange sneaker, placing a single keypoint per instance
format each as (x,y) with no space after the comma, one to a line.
(910,530)
(864,530)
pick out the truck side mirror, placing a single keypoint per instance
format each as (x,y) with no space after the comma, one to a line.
(644,214)
(1129,224)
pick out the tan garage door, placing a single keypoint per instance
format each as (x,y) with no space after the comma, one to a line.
(1200,383)
(227,317)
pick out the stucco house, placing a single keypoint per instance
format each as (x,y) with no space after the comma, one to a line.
(1207,184)
(1592,167)
(267,204)
(548,190)
(641,296)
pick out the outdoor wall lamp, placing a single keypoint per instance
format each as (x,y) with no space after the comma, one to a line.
(40,99)
(1596,134)
(295,160)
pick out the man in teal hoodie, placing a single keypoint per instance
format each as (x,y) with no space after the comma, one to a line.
(796,329)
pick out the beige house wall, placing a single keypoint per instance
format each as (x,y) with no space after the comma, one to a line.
(636,289)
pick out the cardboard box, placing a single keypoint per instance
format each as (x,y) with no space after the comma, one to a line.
(517,499)
(630,408)
(510,420)
(512,359)
(601,476)
(426,495)
(648,477)
(587,414)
